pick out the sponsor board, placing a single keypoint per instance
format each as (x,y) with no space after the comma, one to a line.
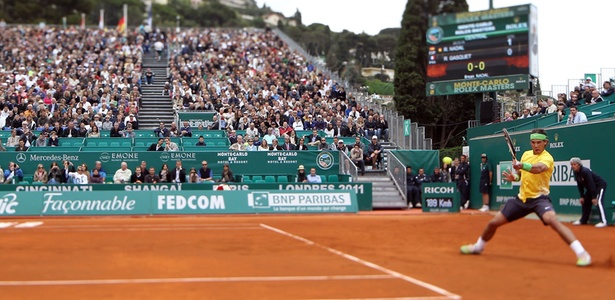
(241,162)
(363,190)
(294,202)
(174,202)
(440,197)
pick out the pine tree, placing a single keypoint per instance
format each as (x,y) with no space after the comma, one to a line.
(444,117)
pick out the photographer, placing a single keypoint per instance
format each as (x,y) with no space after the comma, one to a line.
(55,174)
(13,174)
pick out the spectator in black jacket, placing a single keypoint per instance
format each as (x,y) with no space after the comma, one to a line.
(71,131)
(53,140)
(591,188)
(138,176)
(68,168)
(159,146)
(412,189)
(383,128)
(437,176)
(179,173)
(608,89)
(116,131)
(133,121)
(162,131)
(462,176)
(371,126)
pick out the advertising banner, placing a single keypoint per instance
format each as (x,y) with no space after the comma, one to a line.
(174,202)
(240,162)
(440,197)
(363,190)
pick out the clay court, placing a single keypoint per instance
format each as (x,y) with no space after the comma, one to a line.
(375,255)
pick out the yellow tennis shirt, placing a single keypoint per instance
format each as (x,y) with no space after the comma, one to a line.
(534,185)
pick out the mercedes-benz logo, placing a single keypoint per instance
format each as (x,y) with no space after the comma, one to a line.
(21,157)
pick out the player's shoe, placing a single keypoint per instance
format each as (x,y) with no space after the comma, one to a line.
(584,260)
(470,249)
(577,222)
(600,225)
(485,208)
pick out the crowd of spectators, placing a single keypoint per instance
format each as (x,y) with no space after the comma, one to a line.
(255,82)
(63,83)
(71,82)
(585,93)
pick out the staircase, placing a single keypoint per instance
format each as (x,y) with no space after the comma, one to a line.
(155,107)
(384,192)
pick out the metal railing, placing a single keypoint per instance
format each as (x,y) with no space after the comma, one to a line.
(347,166)
(397,171)
(317,62)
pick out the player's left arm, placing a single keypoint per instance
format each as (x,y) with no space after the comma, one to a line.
(536,168)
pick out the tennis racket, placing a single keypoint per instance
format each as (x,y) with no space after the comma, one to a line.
(509,142)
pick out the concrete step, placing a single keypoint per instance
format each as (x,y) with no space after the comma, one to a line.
(147,118)
(386,194)
(157,100)
(158,96)
(369,178)
(386,188)
(153,103)
(389,205)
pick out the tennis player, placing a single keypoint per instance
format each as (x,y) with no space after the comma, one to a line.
(534,171)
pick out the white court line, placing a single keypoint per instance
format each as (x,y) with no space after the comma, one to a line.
(28,224)
(189,280)
(238,225)
(395,298)
(148,229)
(415,281)
(7,224)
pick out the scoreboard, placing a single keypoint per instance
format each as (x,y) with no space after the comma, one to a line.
(484,51)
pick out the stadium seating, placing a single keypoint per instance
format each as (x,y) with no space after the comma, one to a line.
(333,178)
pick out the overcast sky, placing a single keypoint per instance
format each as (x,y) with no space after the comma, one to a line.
(569,32)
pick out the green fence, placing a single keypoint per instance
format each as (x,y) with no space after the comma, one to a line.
(591,142)
(427,159)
